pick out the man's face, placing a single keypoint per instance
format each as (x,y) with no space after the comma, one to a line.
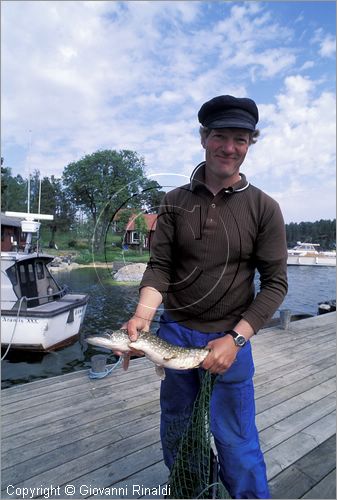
(226,149)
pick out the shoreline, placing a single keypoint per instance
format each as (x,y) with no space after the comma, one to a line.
(75,265)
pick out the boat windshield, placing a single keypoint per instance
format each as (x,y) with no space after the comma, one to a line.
(32,279)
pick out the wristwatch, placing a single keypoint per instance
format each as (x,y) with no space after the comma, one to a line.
(239,340)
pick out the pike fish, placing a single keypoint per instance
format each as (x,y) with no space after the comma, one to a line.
(160,352)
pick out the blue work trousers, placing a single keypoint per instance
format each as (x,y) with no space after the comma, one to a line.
(232,413)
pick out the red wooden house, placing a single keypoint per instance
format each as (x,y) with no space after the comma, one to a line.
(132,237)
(12,237)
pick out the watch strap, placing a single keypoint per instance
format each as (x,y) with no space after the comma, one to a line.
(241,341)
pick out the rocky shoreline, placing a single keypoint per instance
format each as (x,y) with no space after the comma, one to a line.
(120,271)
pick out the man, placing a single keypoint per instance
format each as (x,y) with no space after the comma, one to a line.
(211,236)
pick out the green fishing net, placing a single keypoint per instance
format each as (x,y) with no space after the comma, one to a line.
(195,471)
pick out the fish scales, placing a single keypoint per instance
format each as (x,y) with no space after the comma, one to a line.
(159,351)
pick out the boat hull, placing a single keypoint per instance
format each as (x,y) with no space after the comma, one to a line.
(44,328)
(315,260)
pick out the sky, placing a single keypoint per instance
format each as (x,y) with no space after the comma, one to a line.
(82,76)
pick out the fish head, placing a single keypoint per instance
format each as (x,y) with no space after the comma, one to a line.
(114,340)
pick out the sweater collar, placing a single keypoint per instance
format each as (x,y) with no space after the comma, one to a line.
(198,179)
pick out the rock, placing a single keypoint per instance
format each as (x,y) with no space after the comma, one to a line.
(131,272)
(56,262)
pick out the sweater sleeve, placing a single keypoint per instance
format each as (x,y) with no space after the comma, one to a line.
(271,262)
(158,271)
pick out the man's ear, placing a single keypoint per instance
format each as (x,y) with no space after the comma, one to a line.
(203,142)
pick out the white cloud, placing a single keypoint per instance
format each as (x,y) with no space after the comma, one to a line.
(297,150)
(328,46)
(326,42)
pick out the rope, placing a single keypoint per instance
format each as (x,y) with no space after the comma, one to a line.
(106,372)
(16,322)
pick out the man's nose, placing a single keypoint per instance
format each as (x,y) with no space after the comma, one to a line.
(228,146)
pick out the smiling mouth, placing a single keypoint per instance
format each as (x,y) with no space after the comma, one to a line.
(226,157)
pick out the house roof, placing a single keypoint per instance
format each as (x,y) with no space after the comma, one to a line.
(10,221)
(150,219)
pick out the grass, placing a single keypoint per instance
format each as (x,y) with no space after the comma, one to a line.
(81,252)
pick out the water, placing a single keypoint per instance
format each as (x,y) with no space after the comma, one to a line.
(110,305)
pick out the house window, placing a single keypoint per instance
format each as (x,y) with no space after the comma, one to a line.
(134,237)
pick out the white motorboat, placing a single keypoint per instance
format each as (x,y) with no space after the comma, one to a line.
(36,312)
(307,254)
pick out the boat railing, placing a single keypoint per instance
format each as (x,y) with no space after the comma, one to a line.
(50,296)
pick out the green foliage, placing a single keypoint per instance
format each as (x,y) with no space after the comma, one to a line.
(322,232)
(78,244)
(85,257)
(122,218)
(13,191)
(105,182)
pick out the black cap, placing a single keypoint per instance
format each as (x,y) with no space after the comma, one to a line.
(226,111)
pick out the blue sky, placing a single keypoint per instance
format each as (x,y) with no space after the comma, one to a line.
(82,76)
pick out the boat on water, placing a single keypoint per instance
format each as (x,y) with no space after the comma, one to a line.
(307,254)
(37,313)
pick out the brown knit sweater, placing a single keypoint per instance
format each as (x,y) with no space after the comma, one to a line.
(205,252)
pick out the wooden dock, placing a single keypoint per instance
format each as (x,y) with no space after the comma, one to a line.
(101,437)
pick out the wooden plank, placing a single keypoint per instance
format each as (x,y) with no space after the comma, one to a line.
(120,470)
(42,404)
(292,377)
(304,353)
(294,389)
(296,480)
(292,367)
(296,422)
(325,488)
(72,408)
(42,461)
(121,425)
(294,404)
(138,367)
(111,462)
(61,388)
(150,477)
(320,461)
(71,377)
(63,419)
(283,455)
(283,341)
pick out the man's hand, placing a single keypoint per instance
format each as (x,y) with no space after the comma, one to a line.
(149,300)
(134,325)
(221,356)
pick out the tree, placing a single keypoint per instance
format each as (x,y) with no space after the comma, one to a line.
(54,201)
(103,183)
(151,196)
(13,191)
(322,232)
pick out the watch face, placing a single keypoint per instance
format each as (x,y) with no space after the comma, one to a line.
(240,340)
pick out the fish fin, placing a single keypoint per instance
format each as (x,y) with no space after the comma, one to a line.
(160,371)
(126,361)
